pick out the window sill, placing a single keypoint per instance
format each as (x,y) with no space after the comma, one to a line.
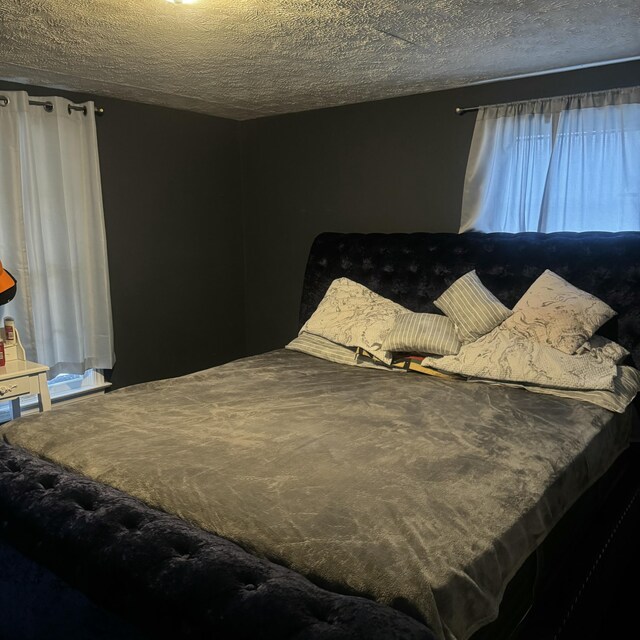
(29,404)
(76,394)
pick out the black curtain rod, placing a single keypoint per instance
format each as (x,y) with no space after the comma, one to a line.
(462,110)
(48,106)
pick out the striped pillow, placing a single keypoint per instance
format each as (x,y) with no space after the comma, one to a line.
(472,307)
(322,348)
(423,333)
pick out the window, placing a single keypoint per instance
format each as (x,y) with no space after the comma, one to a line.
(52,236)
(562,164)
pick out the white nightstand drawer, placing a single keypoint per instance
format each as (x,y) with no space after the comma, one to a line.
(21,378)
(15,387)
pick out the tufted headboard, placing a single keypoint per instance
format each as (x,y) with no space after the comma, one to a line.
(413,269)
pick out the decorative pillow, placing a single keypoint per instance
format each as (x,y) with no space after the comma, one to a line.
(506,355)
(423,333)
(352,315)
(322,348)
(472,307)
(556,313)
(602,347)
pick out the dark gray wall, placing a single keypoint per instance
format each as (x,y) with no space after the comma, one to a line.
(392,165)
(192,202)
(171,188)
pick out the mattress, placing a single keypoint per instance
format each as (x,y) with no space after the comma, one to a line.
(421,493)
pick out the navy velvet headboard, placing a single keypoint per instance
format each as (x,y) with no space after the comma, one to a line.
(414,269)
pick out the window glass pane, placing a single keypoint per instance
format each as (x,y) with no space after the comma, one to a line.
(594,177)
(562,164)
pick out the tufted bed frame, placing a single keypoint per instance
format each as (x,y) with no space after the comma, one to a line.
(176,580)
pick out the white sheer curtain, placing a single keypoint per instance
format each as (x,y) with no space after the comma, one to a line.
(559,164)
(52,235)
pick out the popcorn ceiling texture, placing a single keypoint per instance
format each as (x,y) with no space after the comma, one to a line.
(244,59)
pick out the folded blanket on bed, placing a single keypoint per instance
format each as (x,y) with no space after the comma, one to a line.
(506,357)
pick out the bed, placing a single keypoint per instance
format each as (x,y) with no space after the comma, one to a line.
(285,498)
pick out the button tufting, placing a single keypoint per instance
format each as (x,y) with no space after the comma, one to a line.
(183,548)
(86,503)
(131,521)
(48,482)
(12,465)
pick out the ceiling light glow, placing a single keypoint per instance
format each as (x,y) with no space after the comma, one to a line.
(182,1)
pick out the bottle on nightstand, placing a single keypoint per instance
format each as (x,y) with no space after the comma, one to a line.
(9,330)
(13,349)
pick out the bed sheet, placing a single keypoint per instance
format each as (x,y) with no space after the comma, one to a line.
(421,493)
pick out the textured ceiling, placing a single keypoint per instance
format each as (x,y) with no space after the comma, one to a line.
(249,58)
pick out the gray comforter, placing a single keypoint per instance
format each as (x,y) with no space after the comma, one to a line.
(422,493)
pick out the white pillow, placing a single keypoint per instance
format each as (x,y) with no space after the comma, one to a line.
(556,313)
(352,315)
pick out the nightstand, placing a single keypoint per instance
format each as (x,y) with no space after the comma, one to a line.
(23,378)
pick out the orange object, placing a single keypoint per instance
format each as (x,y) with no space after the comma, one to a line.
(7,285)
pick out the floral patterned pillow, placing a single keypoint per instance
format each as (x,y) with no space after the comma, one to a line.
(507,355)
(556,313)
(352,315)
